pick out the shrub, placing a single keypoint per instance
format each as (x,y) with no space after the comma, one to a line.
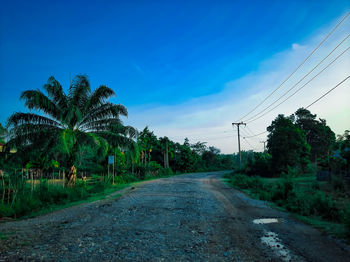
(6,210)
(140,172)
(347,221)
(26,205)
(166,172)
(315,185)
(338,183)
(125,178)
(324,206)
(153,167)
(298,203)
(240,180)
(256,184)
(259,165)
(282,191)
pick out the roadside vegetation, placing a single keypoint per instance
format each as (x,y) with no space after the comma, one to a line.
(305,170)
(72,146)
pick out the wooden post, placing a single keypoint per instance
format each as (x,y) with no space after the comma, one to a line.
(32,180)
(64,177)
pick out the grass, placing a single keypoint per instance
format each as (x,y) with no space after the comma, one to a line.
(92,198)
(313,202)
(48,196)
(4,236)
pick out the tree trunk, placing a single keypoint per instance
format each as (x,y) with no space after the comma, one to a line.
(71,177)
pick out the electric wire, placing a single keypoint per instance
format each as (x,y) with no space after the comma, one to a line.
(301,86)
(251,133)
(341,82)
(290,89)
(256,134)
(244,138)
(300,65)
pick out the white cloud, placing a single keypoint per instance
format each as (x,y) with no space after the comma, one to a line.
(209,118)
(296,46)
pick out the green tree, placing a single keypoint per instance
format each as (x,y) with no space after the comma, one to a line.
(287,145)
(67,121)
(344,147)
(318,135)
(149,146)
(211,157)
(199,147)
(164,141)
(3,134)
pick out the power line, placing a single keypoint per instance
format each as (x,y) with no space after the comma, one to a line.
(285,93)
(302,63)
(328,92)
(251,133)
(251,147)
(308,105)
(256,134)
(196,134)
(301,86)
(218,138)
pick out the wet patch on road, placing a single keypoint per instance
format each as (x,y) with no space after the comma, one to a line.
(271,240)
(266,221)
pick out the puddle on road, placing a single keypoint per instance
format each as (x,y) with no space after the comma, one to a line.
(265,221)
(271,240)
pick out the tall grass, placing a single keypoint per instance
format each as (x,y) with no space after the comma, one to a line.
(306,201)
(21,197)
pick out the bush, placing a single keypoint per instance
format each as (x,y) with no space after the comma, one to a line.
(347,221)
(338,183)
(6,210)
(166,172)
(125,178)
(240,181)
(153,167)
(140,172)
(291,172)
(26,205)
(259,165)
(282,191)
(324,206)
(315,185)
(298,203)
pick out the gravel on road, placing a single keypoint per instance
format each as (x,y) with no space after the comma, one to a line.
(192,217)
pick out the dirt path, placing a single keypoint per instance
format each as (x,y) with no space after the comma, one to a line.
(191,217)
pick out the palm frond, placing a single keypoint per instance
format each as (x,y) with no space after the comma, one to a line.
(100,125)
(29,118)
(35,99)
(27,134)
(107,110)
(99,97)
(79,92)
(115,139)
(55,92)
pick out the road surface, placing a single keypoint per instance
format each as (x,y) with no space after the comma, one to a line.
(193,217)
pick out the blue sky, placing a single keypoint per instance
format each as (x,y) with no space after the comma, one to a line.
(154,54)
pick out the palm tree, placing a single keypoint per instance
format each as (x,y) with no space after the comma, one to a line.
(70,120)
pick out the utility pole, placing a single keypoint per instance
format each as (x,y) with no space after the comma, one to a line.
(264,144)
(239,141)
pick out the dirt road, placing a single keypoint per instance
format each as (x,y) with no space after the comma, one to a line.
(193,217)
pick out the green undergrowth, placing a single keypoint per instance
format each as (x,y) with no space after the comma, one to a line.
(25,201)
(307,199)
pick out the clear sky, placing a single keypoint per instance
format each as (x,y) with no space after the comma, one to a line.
(171,63)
